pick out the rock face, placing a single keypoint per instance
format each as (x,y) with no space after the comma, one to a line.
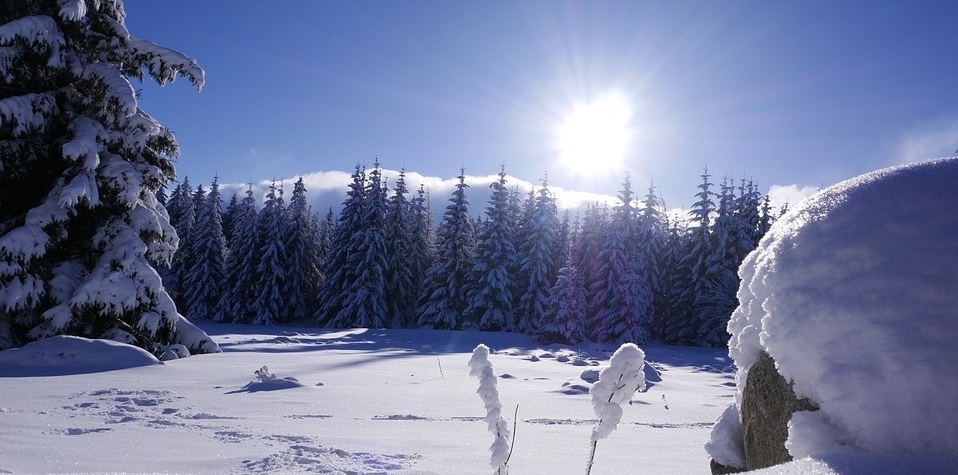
(767,405)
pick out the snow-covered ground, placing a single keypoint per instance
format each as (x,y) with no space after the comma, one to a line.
(366,402)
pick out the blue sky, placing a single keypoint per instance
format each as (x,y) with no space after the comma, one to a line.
(787,93)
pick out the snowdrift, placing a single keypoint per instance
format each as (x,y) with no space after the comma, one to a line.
(63,355)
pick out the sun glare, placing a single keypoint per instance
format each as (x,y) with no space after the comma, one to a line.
(594,137)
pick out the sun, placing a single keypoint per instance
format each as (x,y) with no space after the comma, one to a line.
(594,137)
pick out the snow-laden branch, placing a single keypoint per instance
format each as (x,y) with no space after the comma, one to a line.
(615,386)
(480,367)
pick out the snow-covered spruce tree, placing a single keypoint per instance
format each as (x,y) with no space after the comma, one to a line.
(324,242)
(303,275)
(689,286)
(364,302)
(585,256)
(490,303)
(80,164)
(401,295)
(332,292)
(208,250)
(444,292)
(481,368)
(651,247)
(182,212)
(269,303)
(565,319)
(621,284)
(423,246)
(616,385)
(536,268)
(235,305)
(229,218)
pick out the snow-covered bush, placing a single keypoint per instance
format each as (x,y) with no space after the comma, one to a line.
(616,385)
(852,293)
(480,367)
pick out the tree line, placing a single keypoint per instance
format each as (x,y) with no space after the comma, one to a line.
(631,272)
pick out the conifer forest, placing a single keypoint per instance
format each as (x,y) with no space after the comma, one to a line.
(629,273)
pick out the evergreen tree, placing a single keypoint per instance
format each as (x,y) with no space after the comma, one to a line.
(182,211)
(401,296)
(565,318)
(340,276)
(269,305)
(80,165)
(620,283)
(585,258)
(235,305)
(422,250)
(327,228)
(229,218)
(364,302)
(689,287)
(654,254)
(443,301)
(490,302)
(536,267)
(208,250)
(303,275)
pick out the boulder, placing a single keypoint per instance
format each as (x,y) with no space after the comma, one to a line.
(768,403)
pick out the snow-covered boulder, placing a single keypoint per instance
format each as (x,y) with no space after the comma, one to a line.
(853,294)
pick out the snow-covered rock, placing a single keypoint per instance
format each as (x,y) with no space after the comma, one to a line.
(853,294)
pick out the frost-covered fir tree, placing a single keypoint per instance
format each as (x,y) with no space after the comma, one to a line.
(423,250)
(585,254)
(490,302)
(444,298)
(340,276)
(327,226)
(229,218)
(401,295)
(269,303)
(693,266)
(536,267)
(80,164)
(235,304)
(651,227)
(565,320)
(303,274)
(620,285)
(182,211)
(208,251)
(364,301)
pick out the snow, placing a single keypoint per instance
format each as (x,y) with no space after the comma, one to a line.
(616,385)
(481,368)
(63,355)
(852,293)
(396,402)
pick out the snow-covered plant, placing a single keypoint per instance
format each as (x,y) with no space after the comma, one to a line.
(80,165)
(616,385)
(480,367)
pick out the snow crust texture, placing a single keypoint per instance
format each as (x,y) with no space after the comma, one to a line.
(853,294)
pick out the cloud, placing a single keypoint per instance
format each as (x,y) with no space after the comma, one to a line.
(327,190)
(931,140)
(780,195)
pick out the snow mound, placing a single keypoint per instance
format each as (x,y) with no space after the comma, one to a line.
(266,381)
(853,294)
(63,355)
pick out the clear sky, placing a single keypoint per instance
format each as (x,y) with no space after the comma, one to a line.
(802,93)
